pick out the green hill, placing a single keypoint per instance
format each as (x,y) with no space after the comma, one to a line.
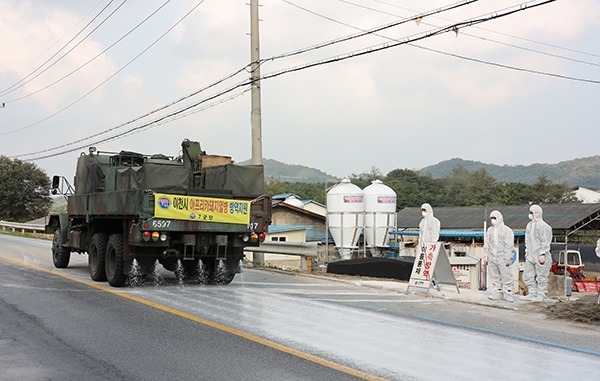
(292,173)
(584,172)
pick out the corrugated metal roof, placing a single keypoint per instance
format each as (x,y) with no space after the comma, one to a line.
(451,233)
(566,217)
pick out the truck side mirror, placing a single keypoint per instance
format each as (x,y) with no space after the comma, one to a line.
(55,182)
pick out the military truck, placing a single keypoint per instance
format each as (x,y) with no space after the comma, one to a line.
(128,209)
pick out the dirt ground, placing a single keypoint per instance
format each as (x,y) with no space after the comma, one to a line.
(584,310)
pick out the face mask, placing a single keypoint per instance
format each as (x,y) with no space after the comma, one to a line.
(424,214)
(530,216)
(494,222)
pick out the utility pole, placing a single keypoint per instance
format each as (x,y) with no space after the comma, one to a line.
(255,90)
(255,113)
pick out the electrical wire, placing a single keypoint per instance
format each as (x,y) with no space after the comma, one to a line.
(372,49)
(479,37)
(57,41)
(25,81)
(94,58)
(409,39)
(146,125)
(136,119)
(190,108)
(107,79)
(458,4)
(496,32)
(364,32)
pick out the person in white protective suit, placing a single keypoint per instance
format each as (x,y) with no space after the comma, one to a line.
(538,261)
(498,245)
(429,227)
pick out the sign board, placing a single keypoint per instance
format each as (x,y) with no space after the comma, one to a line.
(203,209)
(431,268)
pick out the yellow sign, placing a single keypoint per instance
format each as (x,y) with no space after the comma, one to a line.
(202,209)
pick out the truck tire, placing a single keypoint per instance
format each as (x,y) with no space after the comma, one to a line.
(114,261)
(96,255)
(60,255)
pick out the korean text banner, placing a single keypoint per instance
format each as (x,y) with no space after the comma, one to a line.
(202,209)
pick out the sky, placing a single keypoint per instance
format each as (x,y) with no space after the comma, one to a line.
(514,90)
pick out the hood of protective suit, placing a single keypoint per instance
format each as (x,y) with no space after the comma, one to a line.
(499,218)
(537,212)
(428,209)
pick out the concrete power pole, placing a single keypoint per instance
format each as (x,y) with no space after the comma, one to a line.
(255,91)
(255,114)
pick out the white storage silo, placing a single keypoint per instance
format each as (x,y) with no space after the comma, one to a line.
(345,212)
(380,209)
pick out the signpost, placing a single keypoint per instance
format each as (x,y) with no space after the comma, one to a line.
(431,268)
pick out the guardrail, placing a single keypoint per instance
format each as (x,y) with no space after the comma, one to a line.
(306,250)
(24,228)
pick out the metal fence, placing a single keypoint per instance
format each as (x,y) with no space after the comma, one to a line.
(23,228)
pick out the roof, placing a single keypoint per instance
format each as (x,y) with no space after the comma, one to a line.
(281,204)
(280,229)
(566,217)
(283,196)
(451,233)
(313,202)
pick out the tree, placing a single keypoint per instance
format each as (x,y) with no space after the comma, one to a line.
(363,180)
(413,189)
(24,191)
(306,191)
(515,194)
(545,191)
(464,188)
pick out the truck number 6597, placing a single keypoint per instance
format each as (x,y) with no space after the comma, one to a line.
(160,224)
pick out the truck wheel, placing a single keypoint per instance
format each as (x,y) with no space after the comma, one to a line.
(114,261)
(60,254)
(96,254)
(224,278)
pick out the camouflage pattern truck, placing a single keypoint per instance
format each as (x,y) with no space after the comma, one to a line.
(132,210)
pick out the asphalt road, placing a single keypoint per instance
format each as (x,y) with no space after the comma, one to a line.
(58,324)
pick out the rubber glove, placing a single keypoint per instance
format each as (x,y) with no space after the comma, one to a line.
(507,262)
(542,259)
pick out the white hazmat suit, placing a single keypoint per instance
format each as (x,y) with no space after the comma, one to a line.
(429,227)
(498,246)
(538,261)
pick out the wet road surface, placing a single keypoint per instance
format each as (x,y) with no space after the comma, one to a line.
(265,325)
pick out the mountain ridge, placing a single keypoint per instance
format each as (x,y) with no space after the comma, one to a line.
(582,172)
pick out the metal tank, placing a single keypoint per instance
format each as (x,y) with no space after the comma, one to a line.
(345,213)
(380,209)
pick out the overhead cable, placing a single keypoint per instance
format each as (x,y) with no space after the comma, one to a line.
(25,81)
(107,79)
(92,59)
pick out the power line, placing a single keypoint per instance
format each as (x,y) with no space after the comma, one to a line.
(456,5)
(443,30)
(483,38)
(168,117)
(164,107)
(364,32)
(492,31)
(94,58)
(25,81)
(109,78)
(58,40)
(452,27)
